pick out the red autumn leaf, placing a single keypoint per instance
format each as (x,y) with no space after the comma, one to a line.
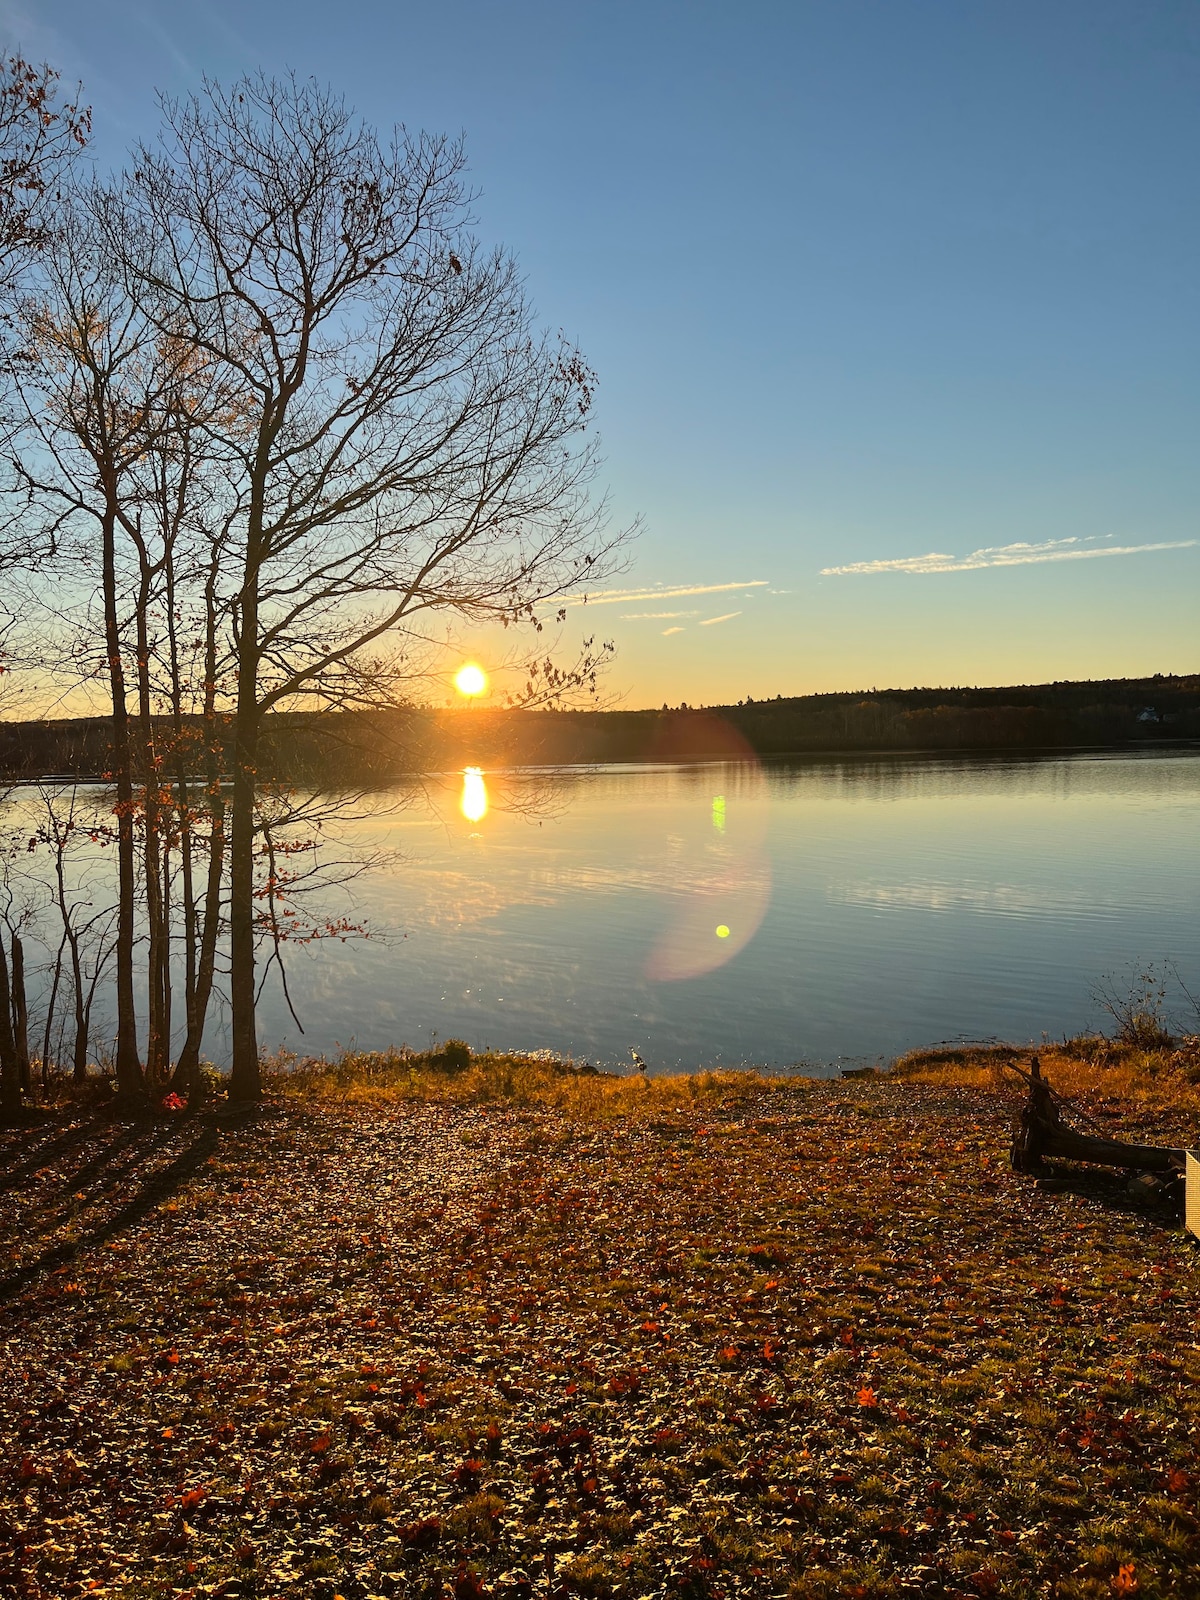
(422,1535)
(193,1497)
(1126,1580)
(866,1399)
(467,1586)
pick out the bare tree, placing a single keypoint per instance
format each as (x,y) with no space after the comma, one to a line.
(110,406)
(39,134)
(406,444)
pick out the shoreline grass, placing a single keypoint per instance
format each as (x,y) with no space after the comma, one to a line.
(1091,1068)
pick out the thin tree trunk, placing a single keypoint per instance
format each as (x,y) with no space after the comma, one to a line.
(70,940)
(50,1004)
(156,1045)
(200,986)
(10,1078)
(20,1013)
(79,1051)
(130,1083)
(245,1082)
(165,958)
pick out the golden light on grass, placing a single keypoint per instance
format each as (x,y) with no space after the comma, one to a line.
(471,680)
(474,801)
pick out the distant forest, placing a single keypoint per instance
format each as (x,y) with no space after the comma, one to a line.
(377,746)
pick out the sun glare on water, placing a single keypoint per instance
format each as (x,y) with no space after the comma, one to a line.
(471,680)
(474,801)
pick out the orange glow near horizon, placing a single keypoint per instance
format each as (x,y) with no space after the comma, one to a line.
(471,680)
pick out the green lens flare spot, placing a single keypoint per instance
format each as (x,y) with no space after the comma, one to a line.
(722,931)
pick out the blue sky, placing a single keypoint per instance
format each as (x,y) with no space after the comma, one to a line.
(864,283)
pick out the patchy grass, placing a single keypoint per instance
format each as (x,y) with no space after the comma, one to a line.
(454,1076)
(444,1338)
(1090,1068)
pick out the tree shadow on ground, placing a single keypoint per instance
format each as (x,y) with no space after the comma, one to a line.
(107,1189)
(47,1149)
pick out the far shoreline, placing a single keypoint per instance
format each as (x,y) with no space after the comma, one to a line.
(377,747)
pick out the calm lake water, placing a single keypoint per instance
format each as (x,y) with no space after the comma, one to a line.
(773,914)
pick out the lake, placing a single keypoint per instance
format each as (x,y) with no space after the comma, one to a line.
(784,913)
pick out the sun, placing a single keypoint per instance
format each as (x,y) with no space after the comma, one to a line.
(471,680)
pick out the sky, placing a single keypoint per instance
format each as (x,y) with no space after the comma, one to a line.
(893,307)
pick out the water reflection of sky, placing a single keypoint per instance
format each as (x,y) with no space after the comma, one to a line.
(867,906)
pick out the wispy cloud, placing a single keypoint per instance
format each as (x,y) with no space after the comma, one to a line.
(710,622)
(624,597)
(1005,555)
(667,632)
(655,616)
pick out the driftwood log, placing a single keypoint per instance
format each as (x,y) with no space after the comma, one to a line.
(1041,1133)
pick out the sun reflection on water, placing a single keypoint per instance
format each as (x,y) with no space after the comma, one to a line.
(474,801)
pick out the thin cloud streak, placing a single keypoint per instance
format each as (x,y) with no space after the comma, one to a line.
(711,622)
(655,616)
(667,632)
(624,597)
(1005,555)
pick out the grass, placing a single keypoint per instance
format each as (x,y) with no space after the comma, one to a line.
(1090,1068)
(442,1078)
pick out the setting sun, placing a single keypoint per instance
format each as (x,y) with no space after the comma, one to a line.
(471,680)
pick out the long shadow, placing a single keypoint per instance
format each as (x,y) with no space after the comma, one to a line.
(104,1171)
(157,1187)
(120,1153)
(43,1154)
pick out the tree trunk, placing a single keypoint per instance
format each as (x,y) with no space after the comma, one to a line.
(189,1057)
(10,1078)
(20,1012)
(202,962)
(47,1032)
(128,1066)
(157,1046)
(245,1081)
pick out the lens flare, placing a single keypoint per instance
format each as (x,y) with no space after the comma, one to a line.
(471,680)
(474,801)
(719,865)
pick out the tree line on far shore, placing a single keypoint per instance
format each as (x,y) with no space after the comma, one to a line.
(379,746)
(275,424)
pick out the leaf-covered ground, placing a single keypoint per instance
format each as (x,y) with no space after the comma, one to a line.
(813,1341)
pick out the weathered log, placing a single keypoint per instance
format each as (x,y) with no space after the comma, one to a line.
(1041,1133)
